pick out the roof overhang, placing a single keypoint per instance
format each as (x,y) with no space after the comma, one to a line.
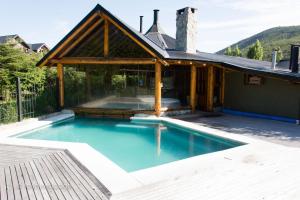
(101,12)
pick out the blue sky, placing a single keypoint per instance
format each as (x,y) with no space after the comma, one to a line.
(221,22)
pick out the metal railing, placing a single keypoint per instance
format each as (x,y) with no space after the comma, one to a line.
(17,104)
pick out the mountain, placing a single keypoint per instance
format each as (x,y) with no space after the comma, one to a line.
(272,38)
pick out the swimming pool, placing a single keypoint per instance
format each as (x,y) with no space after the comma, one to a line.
(131,145)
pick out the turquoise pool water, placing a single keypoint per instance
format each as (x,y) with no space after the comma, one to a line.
(133,146)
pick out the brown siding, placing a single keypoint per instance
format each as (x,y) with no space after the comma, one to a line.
(273,97)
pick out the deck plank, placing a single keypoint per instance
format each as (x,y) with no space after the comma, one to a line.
(75,185)
(15,183)
(52,182)
(99,189)
(27,181)
(3,190)
(82,177)
(9,185)
(61,179)
(34,184)
(44,178)
(33,173)
(22,184)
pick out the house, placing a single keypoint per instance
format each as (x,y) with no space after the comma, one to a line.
(19,43)
(39,47)
(127,72)
(16,40)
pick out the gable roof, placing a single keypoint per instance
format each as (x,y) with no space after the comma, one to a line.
(98,10)
(37,46)
(163,46)
(5,38)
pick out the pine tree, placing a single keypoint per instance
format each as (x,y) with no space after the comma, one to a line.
(237,51)
(228,51)
(256,51)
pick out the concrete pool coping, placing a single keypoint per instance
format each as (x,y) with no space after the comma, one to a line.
(118,180)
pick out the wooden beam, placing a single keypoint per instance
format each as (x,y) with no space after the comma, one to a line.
(192,62)
(157,88)
(134,39)
(129,35)
(69,38)
(193,88)
(210,89)
(106,38)
(60,76)
(80,38)
(222,91)
(107,61)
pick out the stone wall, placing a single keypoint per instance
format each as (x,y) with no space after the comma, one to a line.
(186,30)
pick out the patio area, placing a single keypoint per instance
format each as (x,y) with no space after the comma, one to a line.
(283,133)
(259,170)
(43,173)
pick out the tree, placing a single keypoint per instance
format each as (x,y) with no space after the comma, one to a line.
(233,52)
(228,51)
(256,51)
(16,63)
(237,51)
(279,53)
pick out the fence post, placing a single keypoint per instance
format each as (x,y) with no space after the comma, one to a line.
(19,99)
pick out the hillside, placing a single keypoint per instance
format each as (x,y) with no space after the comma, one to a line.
(272,38)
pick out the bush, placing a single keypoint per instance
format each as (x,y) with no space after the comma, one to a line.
(8,112)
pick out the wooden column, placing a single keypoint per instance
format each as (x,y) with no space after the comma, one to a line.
(210,89)
(193,88)
(157,88)
(60,76)
(222,91)
(106,38)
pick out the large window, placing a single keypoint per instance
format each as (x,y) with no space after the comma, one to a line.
(112,87)
(130,87)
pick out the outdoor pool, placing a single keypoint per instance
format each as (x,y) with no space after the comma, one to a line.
(131,145)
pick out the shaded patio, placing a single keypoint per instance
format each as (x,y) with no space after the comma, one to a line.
(287,134)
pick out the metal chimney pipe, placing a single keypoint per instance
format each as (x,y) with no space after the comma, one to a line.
(141,24)
(274,59)
(294,61)
(155,18)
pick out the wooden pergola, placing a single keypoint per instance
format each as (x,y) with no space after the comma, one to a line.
(98,39)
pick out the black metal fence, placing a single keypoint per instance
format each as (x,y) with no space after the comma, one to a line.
(17,104)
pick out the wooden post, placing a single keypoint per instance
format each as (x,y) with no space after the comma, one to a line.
(106,38)
(157,88)
(222,91)
(193,88)
(60,76)
(210,88)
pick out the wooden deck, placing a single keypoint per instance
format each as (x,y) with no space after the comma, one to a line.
(45,174)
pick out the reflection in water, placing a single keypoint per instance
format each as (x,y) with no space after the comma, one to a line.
(191,144)
(158,139)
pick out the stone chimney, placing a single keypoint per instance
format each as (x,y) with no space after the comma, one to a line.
(186,30)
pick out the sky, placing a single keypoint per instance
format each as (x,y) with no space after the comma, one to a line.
(220,22)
